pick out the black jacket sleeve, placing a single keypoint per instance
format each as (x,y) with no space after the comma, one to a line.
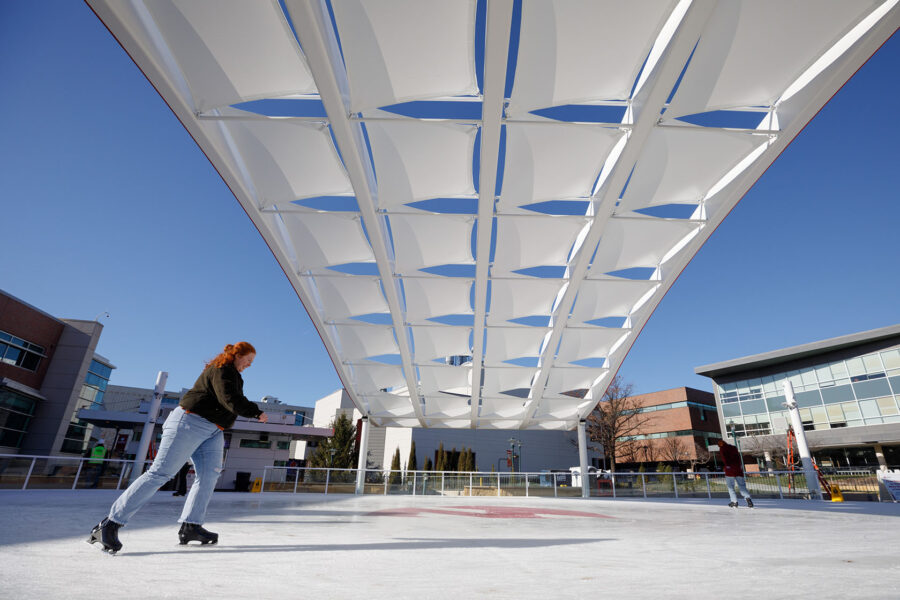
(229,389)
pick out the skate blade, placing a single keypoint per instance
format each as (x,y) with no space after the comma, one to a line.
(102,548)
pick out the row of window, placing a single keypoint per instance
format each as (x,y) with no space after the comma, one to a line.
(265,444)
(20,353)
(667,434)
(670,405)
(841,372)
(16,411)
(848,414)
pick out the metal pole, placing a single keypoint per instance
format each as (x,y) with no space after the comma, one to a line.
(582,459)
(442,483)
(414,483)
(28,476)
(363,456)
(644,485)
(526,485)
(262,485)
(158,391)
(812,481)
(327,479)
(470,484)
(708,489)
(122,468)
(675,484)
(78,473)
(778,481)
(296,479)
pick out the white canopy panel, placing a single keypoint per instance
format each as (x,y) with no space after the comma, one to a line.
(469,259)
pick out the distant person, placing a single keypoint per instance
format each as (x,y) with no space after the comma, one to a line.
(181,480)
(97,463)
(734,473)
(193,430)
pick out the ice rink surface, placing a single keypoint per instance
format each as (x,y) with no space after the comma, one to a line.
(313,546)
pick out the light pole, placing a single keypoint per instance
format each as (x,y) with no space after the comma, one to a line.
(332,452)
(513,442)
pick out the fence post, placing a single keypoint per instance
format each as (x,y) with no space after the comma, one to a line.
(498,485)
(554,485)
(385,481)
(778,481)
(122,474)
(442,483)
(296,479)
(526,485)
(262,486)
(327,479)
(470,484)
(612,481)
(414,483)
(30,469)
(708,489)
(644,485)
(675,485)
(77,473)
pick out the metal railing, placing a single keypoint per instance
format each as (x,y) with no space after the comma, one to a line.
(31,472)
(769,484)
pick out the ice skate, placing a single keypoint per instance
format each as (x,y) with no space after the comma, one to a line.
(749,503)
(733,504)
(191,532)
(107,533)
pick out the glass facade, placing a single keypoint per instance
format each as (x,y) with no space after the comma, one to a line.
(862,390)
(16,411)
(20,353)
(78,434)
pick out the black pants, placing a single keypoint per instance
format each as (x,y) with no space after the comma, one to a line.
(181,480)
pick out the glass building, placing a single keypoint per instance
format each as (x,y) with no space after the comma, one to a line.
(78,434)
(847,390)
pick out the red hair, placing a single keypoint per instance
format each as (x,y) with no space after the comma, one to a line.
(231,352)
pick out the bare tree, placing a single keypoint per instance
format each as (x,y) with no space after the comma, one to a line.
(649,451)
(701,456)
(674,450)
(616,416)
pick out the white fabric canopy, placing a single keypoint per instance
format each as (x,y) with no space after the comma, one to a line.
(372,378)
(579,344)
(288,160)
(322,240)
(513,342)
(400,50)
(349,147)
(435,297)
(422,241)
(753,51)
(679,165)
(532,241)
(515,298)
(344,297)
(362,341)
(440,342)
(498,380)
(447,379)
(637,242)
(582,50)
(231,50)
(553,162)
(609,298)
(416,161)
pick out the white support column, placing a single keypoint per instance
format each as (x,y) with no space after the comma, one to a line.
(363,456)
(582,460)
(812,480)
(149,425)
(879,456)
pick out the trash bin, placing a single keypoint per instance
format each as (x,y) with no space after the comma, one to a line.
(242,482)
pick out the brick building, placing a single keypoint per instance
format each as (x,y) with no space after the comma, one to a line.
(48,372)
(680,424)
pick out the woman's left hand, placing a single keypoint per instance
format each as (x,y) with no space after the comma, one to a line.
(263,418)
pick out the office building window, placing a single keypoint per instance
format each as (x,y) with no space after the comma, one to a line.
(20,353)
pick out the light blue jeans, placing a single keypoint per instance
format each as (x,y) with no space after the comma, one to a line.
(184,436)
(742,486)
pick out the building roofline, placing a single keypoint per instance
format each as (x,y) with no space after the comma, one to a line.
(32,307)
(765,359)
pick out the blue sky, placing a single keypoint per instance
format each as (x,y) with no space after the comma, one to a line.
(109,206)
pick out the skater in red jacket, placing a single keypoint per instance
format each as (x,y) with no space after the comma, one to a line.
(734,473)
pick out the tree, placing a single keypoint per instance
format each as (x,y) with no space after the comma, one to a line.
(342,441)
(428,466)
(440,459)
(701,456)
(411,464)
(615,417)
(461,461)
(394,477)
(674,450)
(470,460)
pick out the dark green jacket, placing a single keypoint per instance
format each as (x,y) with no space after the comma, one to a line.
(218,396)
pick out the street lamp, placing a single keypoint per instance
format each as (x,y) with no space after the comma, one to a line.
(513,442)
(332,452)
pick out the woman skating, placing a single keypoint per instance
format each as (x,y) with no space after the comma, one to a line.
(193,430)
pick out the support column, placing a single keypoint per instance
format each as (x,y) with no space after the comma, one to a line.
(363,456)
(879,455)
(149,425)
(812,480)
(582,460)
